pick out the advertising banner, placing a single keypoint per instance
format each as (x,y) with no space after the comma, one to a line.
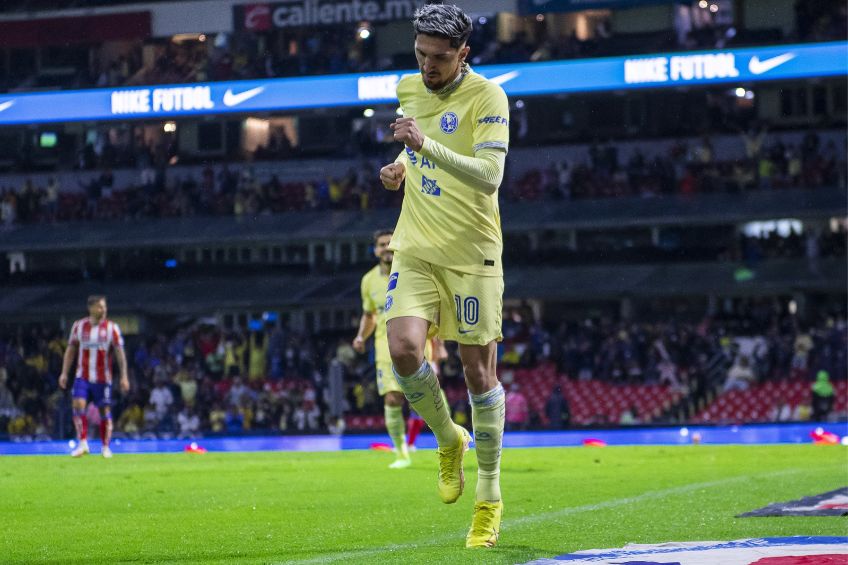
(730,66)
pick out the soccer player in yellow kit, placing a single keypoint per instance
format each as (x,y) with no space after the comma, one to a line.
(447,264)
(373,321)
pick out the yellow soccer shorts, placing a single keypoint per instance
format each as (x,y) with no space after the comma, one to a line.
(467,308)
(386,381)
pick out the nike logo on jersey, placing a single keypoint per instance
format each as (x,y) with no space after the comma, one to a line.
(231,99)
(758,67)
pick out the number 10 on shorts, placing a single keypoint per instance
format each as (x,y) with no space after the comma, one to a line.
(467,309)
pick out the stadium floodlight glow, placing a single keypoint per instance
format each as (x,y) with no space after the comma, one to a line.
(740,92)
(202,37)
(703,4)
(519,104)
(540,17)
(363,31)
(713,8)
(170,127)
(482,20)
(368,112)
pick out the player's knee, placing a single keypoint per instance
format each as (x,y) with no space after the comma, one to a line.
(405,355)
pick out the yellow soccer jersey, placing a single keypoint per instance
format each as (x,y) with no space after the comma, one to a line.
(373,290)
(444,221)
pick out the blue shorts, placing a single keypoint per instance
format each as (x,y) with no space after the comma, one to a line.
(98,393)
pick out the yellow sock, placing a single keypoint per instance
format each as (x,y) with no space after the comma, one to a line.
(487,414)
(396,427)
(425,396)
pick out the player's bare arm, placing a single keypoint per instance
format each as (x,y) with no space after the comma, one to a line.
(67,361)
(122,365)
(392,175)
(367,325)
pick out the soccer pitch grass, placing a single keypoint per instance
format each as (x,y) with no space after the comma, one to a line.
(347,507)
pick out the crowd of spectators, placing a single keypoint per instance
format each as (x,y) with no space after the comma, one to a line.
(202,380)
(344,48)
(221,191)
(687,169)
(236,190)
(777,346)
(194,380)
(755,344)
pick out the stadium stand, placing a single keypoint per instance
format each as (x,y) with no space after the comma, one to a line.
(238,381)
(763,402)
(242,54)
(649,238)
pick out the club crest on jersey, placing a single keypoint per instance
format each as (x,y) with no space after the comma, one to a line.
(430,186)
(449,122)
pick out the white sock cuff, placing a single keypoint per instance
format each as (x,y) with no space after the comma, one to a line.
(423,372)
(487,399)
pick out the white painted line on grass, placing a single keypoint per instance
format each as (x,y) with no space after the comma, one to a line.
(538,518)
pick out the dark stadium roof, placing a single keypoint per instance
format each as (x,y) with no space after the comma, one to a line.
(204,294)
(306,226)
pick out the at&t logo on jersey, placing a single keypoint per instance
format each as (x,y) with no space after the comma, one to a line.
(449,122)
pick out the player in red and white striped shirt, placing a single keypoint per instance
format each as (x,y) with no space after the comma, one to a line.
(91,342)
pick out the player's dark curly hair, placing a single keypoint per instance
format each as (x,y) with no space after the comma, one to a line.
(447,21)
(381,232)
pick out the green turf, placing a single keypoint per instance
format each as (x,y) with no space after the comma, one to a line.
(347,507)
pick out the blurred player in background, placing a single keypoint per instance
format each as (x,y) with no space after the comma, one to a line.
(373,321)
(91,341)
(448,247)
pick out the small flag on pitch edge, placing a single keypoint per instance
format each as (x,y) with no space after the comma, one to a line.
(833,503)
(796,550)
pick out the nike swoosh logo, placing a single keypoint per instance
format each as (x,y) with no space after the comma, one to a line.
(506,77)
(758,67)
(231,99)
(465,331)
(6,105)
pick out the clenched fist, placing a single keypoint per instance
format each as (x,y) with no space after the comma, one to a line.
(392,175)
(406,131)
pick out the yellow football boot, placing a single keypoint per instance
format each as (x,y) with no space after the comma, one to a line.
(485,525)
(451,476)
